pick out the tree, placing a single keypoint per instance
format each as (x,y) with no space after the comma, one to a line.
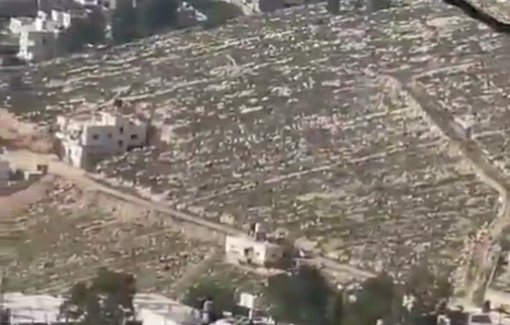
(157,15)
(222,296)
(82,32)
(428,288)
(378,298)
(335,308)
(124,27)
(135,19)
(106,300)
(301,297)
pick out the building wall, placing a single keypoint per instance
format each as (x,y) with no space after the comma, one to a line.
(37,45)
(61,18)
(5,170)
(37,36)
(16,24)
(152,318)
(101,136)
(90,3)
(44,309)
(118,136)
(271,253)
(245,249)
(250,7)
(73,154)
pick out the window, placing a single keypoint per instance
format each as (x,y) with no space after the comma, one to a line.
(121,143)
(109,135)
(95,136)
(134,136)
(121,130)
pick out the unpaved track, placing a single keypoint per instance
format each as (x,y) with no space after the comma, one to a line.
(485,170)
(27,159)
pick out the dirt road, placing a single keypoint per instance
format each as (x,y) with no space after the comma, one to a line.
(485,170)
(27,159)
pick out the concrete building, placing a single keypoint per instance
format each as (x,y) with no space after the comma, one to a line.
(106,4)
(43,21)
(38,35)
(250,7)
(250,250)
(465,125)
(151,309)
(89,3)
(88,138)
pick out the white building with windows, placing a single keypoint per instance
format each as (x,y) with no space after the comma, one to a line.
(98,136)
(248,250)
(38,35)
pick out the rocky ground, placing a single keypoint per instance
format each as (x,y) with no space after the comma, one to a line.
(483,94)
(69,233)
(295,124)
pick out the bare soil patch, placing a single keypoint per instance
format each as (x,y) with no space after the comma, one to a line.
(16,202)
(16,134)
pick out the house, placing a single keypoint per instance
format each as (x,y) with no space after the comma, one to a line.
(256,250)
(85,139)
(36,31)
(89,3)
(53,20)
(38,35)
(151,309)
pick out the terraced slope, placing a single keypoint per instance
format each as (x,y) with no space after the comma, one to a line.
(185,69)
(294,119)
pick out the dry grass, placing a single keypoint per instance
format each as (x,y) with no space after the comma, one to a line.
(70,233)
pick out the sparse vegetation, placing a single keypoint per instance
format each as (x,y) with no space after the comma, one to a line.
(223,295)
(107,299)
(89,30)
(305,296)
(299,298)
(66,233)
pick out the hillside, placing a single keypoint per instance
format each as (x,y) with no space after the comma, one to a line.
(307,122)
